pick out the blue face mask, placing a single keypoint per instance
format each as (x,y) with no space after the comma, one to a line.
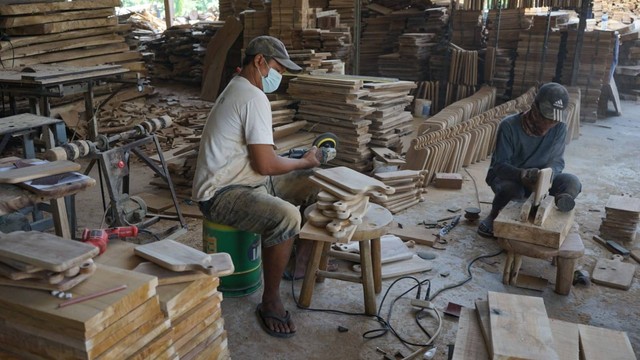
(271,82)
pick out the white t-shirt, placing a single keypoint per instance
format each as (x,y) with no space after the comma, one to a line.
(241,116)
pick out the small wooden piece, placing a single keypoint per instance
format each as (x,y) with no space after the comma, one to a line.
(599,343)
(566,338)
(64,285)
(542,185)
(175,256)
(418,234)
(544,209)
(482,309)
(469,341)
(166,276)
(520,328)
(405,267)
(525,210)
(448,181)
(352,181)
(613,273)
(14,176)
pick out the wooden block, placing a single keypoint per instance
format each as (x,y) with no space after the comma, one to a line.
(352,181)
(613,273)
(482,310)
(520,328)
(542,185)
(405,267)
(565,335)
(552,233)
(418,234)
(448,181)
(183,324)
(168,277)
(623,203)
(531,282)
(176,256)
(18,175)
(600,343)
(178,299)
(469,341)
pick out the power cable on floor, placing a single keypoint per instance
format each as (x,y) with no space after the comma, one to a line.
(475,185)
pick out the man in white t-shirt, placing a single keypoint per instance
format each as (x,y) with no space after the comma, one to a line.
(241,182)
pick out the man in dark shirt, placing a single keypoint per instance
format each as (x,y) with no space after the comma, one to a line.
(526,143)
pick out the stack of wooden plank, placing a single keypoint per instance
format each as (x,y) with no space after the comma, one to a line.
(346,9)
(622,218)
(256,23)
(460,111)
(315,62)
(594,68)
(329,19)
(409,190)
(411,61)
(513,326)
(288,133)
(80,33)
(628,69)
(389,122)
(429,90)
(180,53)
(288,19)
(467,29)
(471,141)
(335,104)
(334,44)
(504,28)
(374,42)
(236,7)
(36,260)
(463,75)
(535,62)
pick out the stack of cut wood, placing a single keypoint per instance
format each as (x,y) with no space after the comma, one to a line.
(389,122)
(335,104)
(536,63)
(346,9)
(467,31)
(36,260)
(506,325)
(256,23)
(236,7)
(411,61)
(463,75)
(595,63)
(628,69)
(287,133)
(429,90)
(409,190)
(448,149)
(315,62)
(460,111)
(335,44)
(288,19)
(504,28)
(342,203)
(180,53)
(329,19)
(622,218)
(145,28)
(375,41)
(79,33)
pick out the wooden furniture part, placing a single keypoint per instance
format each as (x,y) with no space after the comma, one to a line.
(29,126)
(374,225)
(551,233)
(570,251)
(613,273)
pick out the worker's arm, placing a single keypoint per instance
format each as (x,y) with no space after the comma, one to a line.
(556,152)
(501,160)
(265,161)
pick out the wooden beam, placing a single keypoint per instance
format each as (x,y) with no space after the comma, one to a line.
(15,21)
(45,7)
(168,12)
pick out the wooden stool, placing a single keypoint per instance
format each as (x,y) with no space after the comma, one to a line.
(374,225)
(571,249)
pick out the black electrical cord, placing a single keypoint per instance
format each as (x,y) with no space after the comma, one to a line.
(145,231)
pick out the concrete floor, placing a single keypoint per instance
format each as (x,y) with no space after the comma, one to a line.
(606,157)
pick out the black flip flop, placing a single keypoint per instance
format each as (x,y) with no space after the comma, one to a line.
(283,320)
(485,231)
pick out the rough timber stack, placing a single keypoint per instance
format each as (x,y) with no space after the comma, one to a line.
(78,33)
(389,123)
(288,19)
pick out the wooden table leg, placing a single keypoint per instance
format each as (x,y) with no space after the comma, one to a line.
(310,275)
(377,264)
(367,278)
(506,273)
(564,275)
(60,219)
(324,261)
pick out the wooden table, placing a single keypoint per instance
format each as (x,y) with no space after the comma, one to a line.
(40,82)
(28,125)
(14,198)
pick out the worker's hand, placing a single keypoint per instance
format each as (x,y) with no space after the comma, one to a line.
(529,177)
(313,157)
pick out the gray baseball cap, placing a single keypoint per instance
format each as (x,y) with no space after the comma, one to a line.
(552,100)
(272,48)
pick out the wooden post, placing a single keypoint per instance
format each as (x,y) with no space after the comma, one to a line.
(168,12)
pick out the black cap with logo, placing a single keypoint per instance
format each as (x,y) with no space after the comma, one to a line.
(552,99)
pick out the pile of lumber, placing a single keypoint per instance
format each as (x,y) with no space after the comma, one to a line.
(316,62)
(467,29)
(78,33)
(346,9)
(463,74)
(411,60)
(471,141)
(288,19)
(509,326)
(595,62)
(180,53)
(429,90)
(389,122)
(256,23)
(504,28)
(328,19)
(460,111)
(628,69)
(288,133)
(336,104)
(622,218)
(336,43)
(535,62)
(236,7)
(409,190)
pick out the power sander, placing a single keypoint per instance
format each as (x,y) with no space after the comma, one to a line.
(326,144)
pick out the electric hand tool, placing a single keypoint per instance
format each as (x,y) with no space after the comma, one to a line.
(100,237)
(326,144)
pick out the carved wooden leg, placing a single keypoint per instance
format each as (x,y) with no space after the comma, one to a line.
(564,275)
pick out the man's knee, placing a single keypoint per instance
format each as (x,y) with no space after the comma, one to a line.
(566,184)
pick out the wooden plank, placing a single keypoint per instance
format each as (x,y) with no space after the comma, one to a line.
(15,21)
(68,55)
(352,181)
(44,7)
(418,234)
(520,328)
(599,343)
(44,284)
(22,174)
(542,185)
(178,299)
(566,337)
(45,251)
(613,273)
(187,321)
(405,267)
(61,46)
(482,310)
(469,342)
(176,256)
(27,41)
(216,56)
(58,27)
(168,277)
